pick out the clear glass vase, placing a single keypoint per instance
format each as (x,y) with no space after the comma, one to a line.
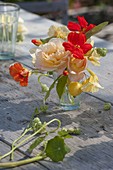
(68,102)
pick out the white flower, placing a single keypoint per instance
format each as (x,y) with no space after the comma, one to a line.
(59,32)
(21,26)
(50,56)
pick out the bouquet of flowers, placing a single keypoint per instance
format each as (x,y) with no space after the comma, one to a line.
(65,53)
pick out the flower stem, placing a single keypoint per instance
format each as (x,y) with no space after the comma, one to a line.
(23,134)
(22,162)
(26,139)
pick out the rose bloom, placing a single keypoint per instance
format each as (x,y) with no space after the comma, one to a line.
(59,32)
(50,56)
(77,65)
(72,77)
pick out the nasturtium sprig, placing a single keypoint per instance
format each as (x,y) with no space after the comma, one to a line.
(55,148)
(44,87)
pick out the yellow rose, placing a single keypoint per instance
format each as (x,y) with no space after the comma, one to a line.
(76,77)
(77,65)
(50,56)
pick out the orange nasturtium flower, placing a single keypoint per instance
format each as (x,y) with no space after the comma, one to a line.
(82,26)
(19,73)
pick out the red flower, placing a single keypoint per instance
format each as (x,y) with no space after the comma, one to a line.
(19,73)
(65,73)
(82,26)
(36,42)
(77,45)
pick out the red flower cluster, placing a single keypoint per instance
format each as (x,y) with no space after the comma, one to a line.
(82,26)
(76,43)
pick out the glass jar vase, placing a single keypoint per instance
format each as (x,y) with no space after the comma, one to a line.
(68,102)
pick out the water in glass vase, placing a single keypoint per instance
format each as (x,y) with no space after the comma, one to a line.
(7,39)
(8,29)
(68,102)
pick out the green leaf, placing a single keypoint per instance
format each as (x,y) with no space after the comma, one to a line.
(50,72)
(60,87)
(107,106)
(96,29)
(36,112)
(20,37)
(50,88)
(64,133)
(46,40)
(74,131)
(102,51)
(56,149)
(67,149)
(44,108)
(36,143)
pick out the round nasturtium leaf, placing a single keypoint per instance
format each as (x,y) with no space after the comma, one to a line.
(56,149)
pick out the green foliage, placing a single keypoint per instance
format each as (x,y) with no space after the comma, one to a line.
(74,131)
(43,108)
(107,106)
(63,133)
(56,149)
(44,87)
(96,29)
(20,37)
(66,133)
(60,87)
(50,88)
(36,143)
(102,51)
(46,40)
(36,124)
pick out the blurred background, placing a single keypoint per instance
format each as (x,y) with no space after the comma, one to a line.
(95,11)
